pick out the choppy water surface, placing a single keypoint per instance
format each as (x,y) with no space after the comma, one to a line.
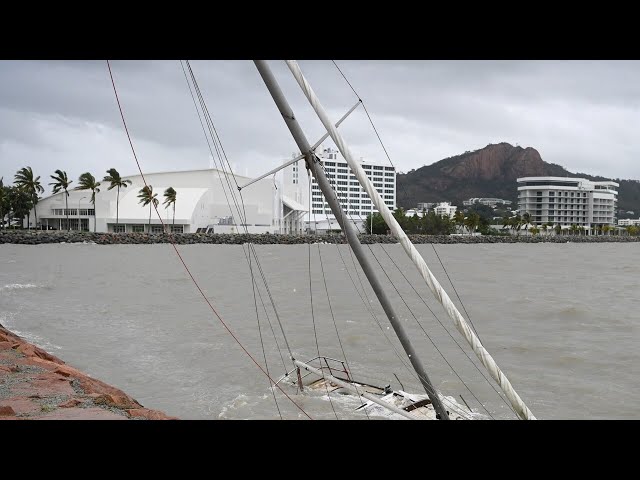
(561,320)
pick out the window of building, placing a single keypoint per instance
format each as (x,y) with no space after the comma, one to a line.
(378,167)
(137,228)
(177,228)
(119,228)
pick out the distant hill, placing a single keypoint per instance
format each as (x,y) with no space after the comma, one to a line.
(491,172)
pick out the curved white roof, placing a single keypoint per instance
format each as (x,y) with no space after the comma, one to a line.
(186,201)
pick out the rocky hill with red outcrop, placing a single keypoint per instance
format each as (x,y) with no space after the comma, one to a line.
(490,172)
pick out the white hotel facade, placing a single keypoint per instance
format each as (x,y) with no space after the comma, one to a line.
(353,199)
(567,201)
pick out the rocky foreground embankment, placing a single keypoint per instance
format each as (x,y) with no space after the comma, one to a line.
(38,386)
(33,237)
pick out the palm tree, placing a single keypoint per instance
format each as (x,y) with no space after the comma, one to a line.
(62,183)
(19,203)
(526,219)
(170,199)
(147,197)
(88,182)
(472,222)
(516,224)
(458,218)
(24,181)
(550,225)
(115,180)
(606,229)
(558,229)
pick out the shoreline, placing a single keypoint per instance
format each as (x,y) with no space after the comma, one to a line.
(35,385)
(38,237)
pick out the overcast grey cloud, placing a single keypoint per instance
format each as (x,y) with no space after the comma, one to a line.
(583,115)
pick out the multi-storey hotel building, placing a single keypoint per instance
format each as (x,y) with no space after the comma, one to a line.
(567,201)
(354,200)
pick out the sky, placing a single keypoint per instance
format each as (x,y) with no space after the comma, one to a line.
(583,115)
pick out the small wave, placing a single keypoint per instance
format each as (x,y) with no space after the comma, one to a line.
(242,401)
(36,340)
(17,286)
(573,311)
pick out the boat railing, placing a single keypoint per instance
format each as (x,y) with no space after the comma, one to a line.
(332,366)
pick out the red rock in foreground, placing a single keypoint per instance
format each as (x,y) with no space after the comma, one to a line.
(36,385)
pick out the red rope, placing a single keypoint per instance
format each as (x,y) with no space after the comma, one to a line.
(182,260)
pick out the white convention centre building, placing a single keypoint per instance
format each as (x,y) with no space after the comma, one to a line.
(201,206)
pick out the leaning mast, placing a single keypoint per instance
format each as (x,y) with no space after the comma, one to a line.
(435,287)
(312,162)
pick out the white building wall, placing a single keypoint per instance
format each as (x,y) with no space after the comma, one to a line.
(625,222)
(201,204)
(568,201)
(445,209)
(354,200)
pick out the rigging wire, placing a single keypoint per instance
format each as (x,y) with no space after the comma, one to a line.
(368,302)
(425,332)
(326,289)
(403,189)
(223,157)
(456,292)
(447,330)
(173,244)
(315,333)
(221,154)
(432,312)
(247,255)
(337,193)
